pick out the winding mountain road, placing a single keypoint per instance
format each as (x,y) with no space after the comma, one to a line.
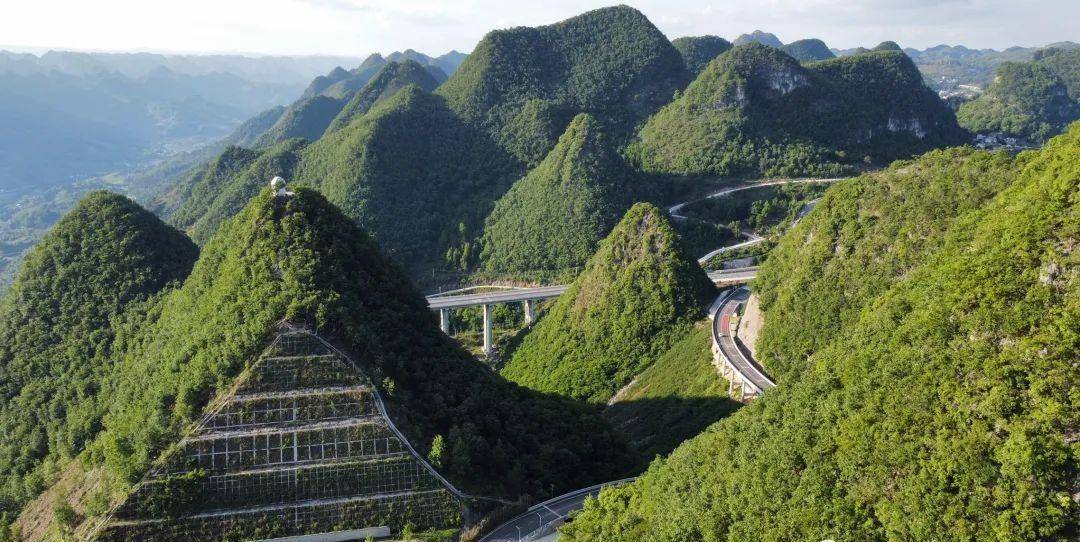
(543,519)
(737,360)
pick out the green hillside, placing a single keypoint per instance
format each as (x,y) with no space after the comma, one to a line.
(808,50)
(222,188)
(554,217)
(638,294)
(301,259)
(944,411)
(411,173)
(755,110)
(524,85)
(1065,63)
(306,119)
(1026,99)
(865,234)
(393,77)
(698,51)
(56,332)
(761,37)
(675,399)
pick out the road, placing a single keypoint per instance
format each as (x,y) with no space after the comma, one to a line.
(674,209)
(730,349)
(541,519)
(457,301)
(492,298)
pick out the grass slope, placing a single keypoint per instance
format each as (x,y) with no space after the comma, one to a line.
(865,234)
(676,398)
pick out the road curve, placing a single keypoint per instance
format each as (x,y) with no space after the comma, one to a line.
(542,519)
(674,209)
(731,350)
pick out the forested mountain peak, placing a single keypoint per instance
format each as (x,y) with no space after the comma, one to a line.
(300,259)
(393,77)
(637,295)
(56,330)
(808,50)
(552,219)
(698,51)
(1033,100)
(758,36)
(524,85)
(756,110)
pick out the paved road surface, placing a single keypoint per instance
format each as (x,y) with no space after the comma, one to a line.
(674,209)
(546,514)
(435,302)
(491,298)
(738,357)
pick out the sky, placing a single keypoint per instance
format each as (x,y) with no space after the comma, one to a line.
(360,27)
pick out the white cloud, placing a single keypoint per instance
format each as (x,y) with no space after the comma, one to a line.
(358,27)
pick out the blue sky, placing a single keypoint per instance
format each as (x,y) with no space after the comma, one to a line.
(358,27)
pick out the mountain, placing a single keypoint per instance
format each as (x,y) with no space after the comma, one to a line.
(698,51)
(387,82)
(412,173)
(57,332)
(638,294)
(757,111)
(1026,99)
(758,36)
(808,50)
(300,262)
(223,187)
(945,409)
(440,67)
(904,212)
(306,119)
(887,46)
(219,189)
(553,218)
(1065,63)
(524,85)
(947,67)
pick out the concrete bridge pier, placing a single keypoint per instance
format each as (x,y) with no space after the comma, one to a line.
(489,347)
(444,320)
(529,317)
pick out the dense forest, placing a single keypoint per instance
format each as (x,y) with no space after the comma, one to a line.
(943,410)
(57,332)
(552,219)
(756,111)
(637,295)
(1033,100)
(921,321)
(302,259)
(524,85)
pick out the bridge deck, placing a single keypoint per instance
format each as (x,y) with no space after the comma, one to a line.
(436,302)
(730,349)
